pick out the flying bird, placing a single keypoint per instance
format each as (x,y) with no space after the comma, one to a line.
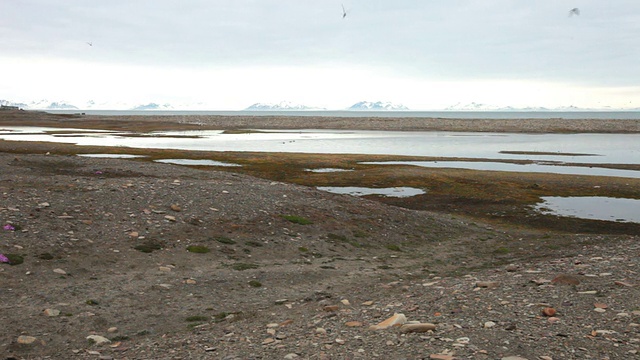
(89,43)
(344,12)
(574,11)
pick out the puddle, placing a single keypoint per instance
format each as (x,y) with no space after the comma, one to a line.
(541,167)
(592,208)
(327,170)
(197,162)
(363,191)
(112,156)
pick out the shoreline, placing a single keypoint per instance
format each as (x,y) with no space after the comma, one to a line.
(219,122)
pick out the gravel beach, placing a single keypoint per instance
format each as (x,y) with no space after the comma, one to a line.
(127,259)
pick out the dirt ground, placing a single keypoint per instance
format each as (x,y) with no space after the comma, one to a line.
(133,259)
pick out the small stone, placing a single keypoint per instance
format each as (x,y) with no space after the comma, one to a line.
(548,311)
(395,320)
(134,234)
(623,283)
(486,284)
(190,281)
(543,357)
(489,324)
(281,301)
(176,207)
(98,340)
(291,356)
(513,358)
(565,279)
(600,305)
(340,341)
(511,268)
(26,340)
(421,327)
(321,331)
(599,310)
(164,268)
(60,271)
(170,218)
(553,320)
(112,329)
(331,308)
(51,312)
(441,357)
(367,303)
(268,341)
(345,302)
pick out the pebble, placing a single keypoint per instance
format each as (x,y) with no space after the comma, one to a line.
(26,340)
(99,340)
(291,356)
(60,271)
(396,320)
(51,312)
(176,207)
(565,279)
(353,323)
(422,327)
(112,329)
(486,284)
(549,311)
(489,324)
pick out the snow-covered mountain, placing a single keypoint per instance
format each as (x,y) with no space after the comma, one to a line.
(153,106)
(43,105)
(376,106)
(283,105)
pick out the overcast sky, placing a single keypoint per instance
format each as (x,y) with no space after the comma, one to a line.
(232,53)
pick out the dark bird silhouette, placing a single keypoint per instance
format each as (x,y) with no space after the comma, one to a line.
(89,43)
(344,12)
(574,11)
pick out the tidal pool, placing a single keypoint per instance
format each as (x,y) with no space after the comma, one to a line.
(196,162)
(363,191)
(592,208)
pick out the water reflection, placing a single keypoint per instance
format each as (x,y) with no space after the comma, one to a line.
(592,208)
(363,191)
(501,166)
(112,156)
(197,162)
(328,170)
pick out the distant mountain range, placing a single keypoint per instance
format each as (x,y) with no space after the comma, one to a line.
(281,106)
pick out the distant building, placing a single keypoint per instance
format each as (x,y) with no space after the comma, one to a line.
(7,107)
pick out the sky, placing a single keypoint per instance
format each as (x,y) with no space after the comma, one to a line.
(227,55)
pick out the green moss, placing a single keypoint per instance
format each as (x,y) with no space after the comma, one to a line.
(224,240)
(337,237)
(92,302)
(255,283)
(297,219)
(254,243)
(303,249)
(393,247)
(501,250)
(148,247)
(197,318)
(119,338)
(243,266)
(198,249)
(14,259)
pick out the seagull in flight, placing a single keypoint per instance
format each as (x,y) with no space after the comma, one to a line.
(344,12)
(574,11)
(89,43)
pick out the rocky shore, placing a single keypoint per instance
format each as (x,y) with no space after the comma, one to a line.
(125,259)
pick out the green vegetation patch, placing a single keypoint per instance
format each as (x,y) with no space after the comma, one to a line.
(195,318)
(297,219)
(148,247)
(255,283)
(198,249)
(243,266)
(224,240)
(393,247)
(501,250)
(14,259)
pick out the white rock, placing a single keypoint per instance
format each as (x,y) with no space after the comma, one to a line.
(489,324)
(60,271)
(99,340)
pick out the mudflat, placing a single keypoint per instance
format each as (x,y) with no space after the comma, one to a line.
(134,259)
